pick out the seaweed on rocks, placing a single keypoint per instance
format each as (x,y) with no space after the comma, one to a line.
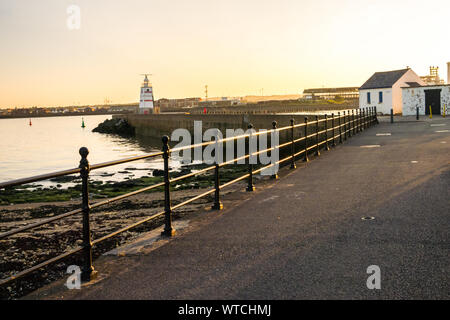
(117,126)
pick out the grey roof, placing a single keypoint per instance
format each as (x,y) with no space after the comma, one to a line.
(383,79)
(413,84)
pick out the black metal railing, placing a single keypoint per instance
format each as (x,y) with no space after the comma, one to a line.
(316,134)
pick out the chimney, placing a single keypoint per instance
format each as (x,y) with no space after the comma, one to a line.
(448,72)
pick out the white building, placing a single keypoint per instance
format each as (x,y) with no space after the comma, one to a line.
(436,97)
(146,105)
(383,90)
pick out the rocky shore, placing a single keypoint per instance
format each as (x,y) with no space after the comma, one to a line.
(29,248)
(115,126)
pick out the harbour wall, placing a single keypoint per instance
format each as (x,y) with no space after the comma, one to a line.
(158,125)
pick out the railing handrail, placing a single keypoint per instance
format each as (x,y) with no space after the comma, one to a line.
(353,123)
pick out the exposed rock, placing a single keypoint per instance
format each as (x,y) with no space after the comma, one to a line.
(115,126)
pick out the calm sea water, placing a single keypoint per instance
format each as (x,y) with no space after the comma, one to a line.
(52,143)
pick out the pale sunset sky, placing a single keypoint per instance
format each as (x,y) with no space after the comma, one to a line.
(236,47)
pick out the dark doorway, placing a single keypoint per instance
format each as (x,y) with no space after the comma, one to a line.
(433,99)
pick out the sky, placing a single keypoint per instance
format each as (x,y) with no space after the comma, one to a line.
(236,47)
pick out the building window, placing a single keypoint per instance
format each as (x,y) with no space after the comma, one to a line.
(368,98)
(380,97)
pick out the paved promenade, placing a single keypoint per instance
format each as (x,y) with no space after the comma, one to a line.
(302,236)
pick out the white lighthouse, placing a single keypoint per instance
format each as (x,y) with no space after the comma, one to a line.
(146,105)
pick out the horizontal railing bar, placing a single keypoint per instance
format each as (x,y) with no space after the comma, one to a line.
(284,159)
(191,174)
(234,181)
(284,144)
(115,162)
(40,223)
(41,265)
(39,177)
(97,241)
(204,194)
(233,160)
(126,195)
(71,213)
(299,153)
(298,140)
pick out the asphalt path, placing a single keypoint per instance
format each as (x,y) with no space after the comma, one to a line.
(303,236)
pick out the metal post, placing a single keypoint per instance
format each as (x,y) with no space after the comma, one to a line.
(168,230)
(217,203)
(340,128)
(250,185)
(376,116)
(392,116)
(345,127)
(367,117)
(293,166)
(360,121)
(274,127)
(349,124)
(334,134)
(317,136)
(88,273)
(353,122)
(357,120)
(417,113)
(363,119)
(327,147)
(305,158)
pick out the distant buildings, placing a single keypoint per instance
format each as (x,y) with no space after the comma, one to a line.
(178,103)
(405,92)
(331,93)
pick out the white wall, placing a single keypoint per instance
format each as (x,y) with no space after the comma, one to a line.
(415,97)
(409,76)
(384,107)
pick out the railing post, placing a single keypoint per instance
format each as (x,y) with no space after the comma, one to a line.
(334,133)
(293,166)
(250,185)
(340,128)
(357,120)
(376,116)
(168,230)
(217,203)
(327,147)
(349,124)
(367,116)
(88,273)
(360,121)
(417,113)
(305,158)
(345,127)
(363,119)
(353,121)
(274,127)
(317,136)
